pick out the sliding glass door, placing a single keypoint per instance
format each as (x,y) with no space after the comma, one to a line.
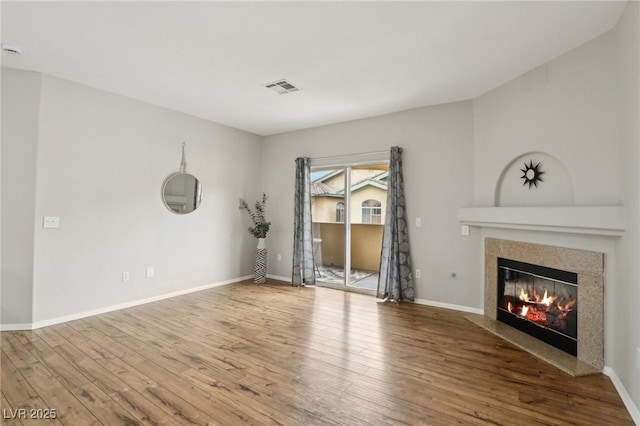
(347,210)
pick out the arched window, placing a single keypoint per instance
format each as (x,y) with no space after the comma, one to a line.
(372,212)
(340,212)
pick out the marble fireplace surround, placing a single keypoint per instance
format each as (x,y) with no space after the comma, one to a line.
(588,265)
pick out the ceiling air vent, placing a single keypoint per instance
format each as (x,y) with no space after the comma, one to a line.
(14,50)
(282,87)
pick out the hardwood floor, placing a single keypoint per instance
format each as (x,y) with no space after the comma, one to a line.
(275,354)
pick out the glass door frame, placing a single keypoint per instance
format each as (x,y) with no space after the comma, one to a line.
(347,227)
(347,168)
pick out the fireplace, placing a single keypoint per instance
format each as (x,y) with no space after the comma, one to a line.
(581,324)
(539,301)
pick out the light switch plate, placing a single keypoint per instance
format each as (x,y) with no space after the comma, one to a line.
(149,271)
(51,222)
(465,230)
(418,222)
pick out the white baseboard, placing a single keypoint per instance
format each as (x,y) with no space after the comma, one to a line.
(85,314)
(279,278)
(624,395)
(15,327)
(449,306)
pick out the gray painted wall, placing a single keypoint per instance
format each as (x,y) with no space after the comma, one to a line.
(581,108)
(101,161)
(20,108)
(437,159)
(626,358)
(565,108)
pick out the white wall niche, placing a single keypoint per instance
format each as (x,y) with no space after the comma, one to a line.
(555,189)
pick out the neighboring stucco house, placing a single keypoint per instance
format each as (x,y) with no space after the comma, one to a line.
(368,201)
(368,197)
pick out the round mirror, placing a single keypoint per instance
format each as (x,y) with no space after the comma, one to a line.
(182,193)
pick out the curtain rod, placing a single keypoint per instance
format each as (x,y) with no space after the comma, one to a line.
(351,155)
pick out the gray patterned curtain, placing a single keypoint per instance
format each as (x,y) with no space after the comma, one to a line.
(302,238)
(396,280)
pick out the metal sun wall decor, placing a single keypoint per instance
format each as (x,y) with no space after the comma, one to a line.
(531,174)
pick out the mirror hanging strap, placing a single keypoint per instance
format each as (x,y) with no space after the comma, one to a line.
(183,162)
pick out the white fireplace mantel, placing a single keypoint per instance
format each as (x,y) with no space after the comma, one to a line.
(592,220)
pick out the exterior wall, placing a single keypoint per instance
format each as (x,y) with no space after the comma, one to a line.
(357,175)
(364,194)
(323,209)
(332,246)
(366,244)
(336,181)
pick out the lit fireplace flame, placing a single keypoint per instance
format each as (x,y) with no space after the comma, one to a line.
(542,309)
(566,307)
(546,300)
(523,296)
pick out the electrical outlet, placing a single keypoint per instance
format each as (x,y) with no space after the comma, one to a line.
(51,222)
(149,271)
(125,276)
(417,273)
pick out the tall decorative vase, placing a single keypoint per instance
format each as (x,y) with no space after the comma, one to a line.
(261,262)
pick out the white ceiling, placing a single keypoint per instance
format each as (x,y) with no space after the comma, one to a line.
(351,59)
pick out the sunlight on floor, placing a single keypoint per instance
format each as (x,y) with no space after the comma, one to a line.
(334,275)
